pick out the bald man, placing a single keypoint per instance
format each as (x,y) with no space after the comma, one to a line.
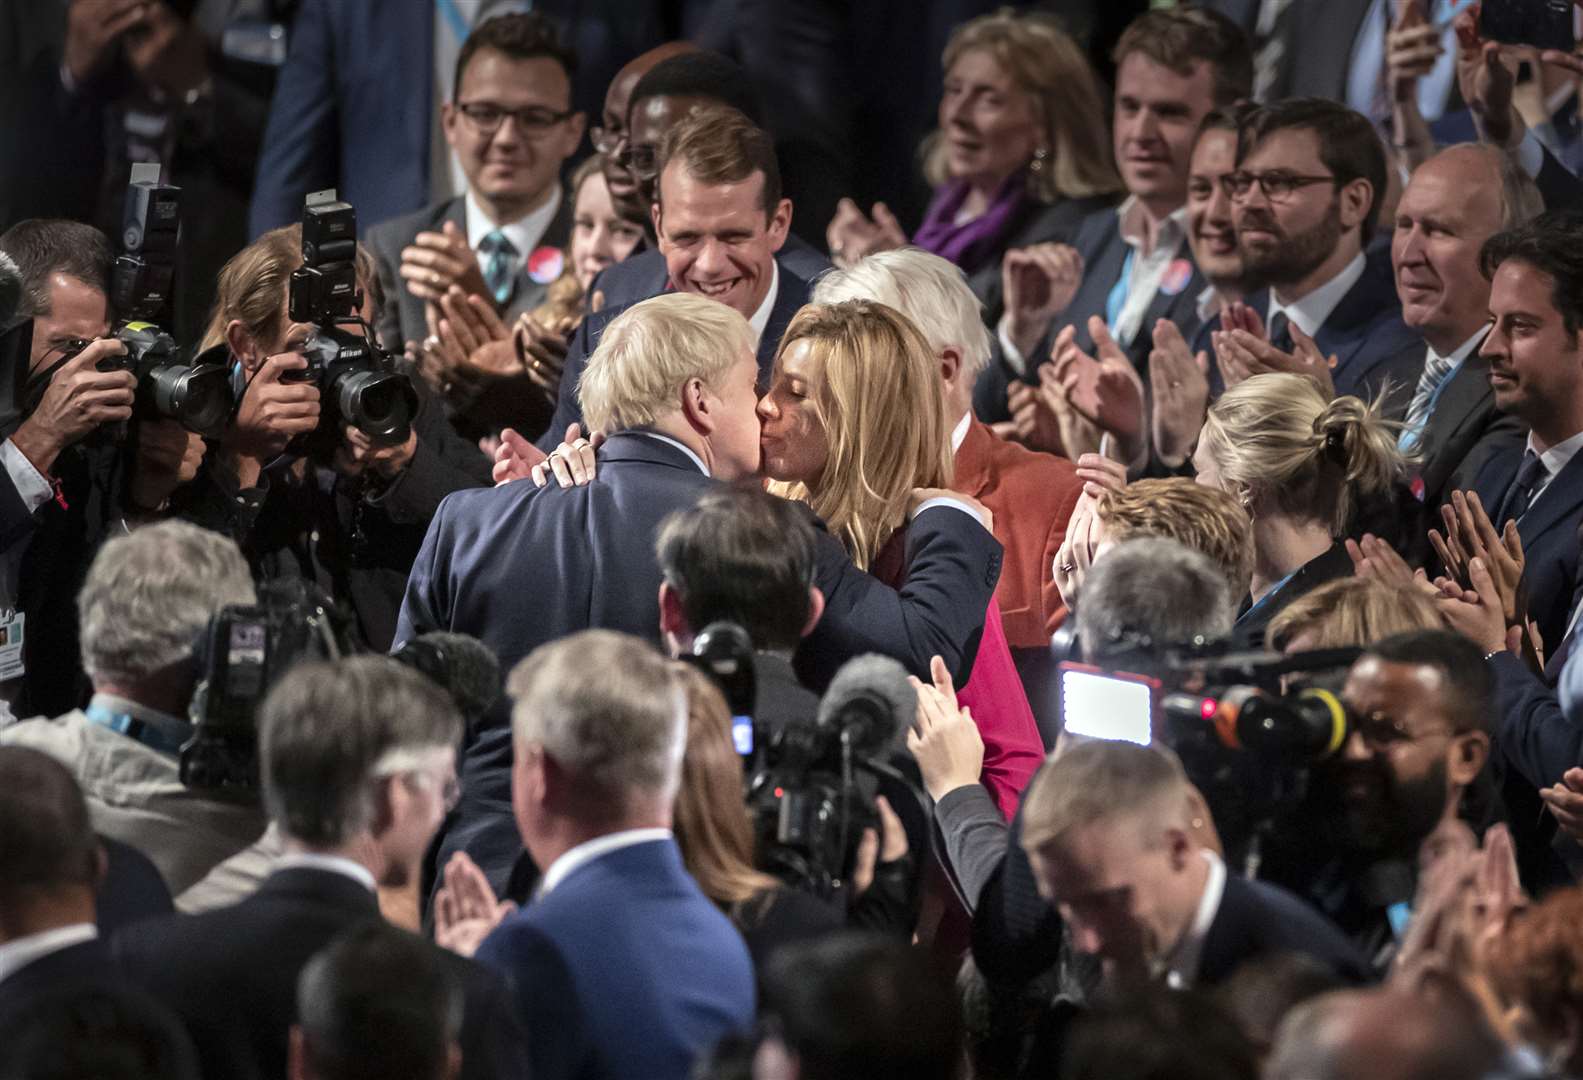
(610,136)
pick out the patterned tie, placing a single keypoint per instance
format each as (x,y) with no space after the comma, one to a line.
(1269,46)
(1437,369)
(500,272)
(1521,493)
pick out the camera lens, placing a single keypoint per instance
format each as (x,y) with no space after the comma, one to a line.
(199,396)
(380,404)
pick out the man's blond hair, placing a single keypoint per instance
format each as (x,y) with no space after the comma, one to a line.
(649,352)
(1096,780)
(1205,519)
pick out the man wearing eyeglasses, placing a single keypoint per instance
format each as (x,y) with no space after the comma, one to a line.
(512,126)
(1306,198)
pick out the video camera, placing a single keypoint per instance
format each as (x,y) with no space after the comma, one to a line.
(195,393)
(357,381)
(1247,740)
(242,654)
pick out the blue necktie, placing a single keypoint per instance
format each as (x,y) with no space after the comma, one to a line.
(1280,332)
(1521,493)
(500,272)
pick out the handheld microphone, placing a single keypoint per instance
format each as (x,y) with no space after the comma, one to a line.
(871,702)
(465,667)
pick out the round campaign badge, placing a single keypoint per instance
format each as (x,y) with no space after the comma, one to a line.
(1177,275)
(546,264)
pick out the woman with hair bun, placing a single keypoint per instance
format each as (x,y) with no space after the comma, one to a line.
(1299,464)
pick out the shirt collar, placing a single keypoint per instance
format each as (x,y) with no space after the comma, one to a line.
(589,850)
(1310,312)
(18,954)
(155,729)
(683,447)
(1556,458)
(761,317)
(1132,216)
(959,432)
(1464,350)
(1181,968)
(335,864)
(1208,304)
(524,233)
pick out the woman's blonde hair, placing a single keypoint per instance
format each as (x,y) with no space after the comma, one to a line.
(879,401)
(1276,440)
(711,820)
(252,285)
(1047,65)
(1352,611)
(563,300)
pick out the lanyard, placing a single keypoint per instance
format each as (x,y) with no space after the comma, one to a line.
(158,738)
(1118,292)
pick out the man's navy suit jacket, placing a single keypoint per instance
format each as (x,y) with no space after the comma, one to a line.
(792,294)
(624,969)
(518,566)
(1373,347)
(1549,532)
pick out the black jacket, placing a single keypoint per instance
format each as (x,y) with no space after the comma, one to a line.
(231,975)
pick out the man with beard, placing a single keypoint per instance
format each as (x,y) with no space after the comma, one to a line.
(1306,199)
(1419,706)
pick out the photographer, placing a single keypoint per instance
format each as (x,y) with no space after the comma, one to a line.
(72,483)
(350,518)
(147,598)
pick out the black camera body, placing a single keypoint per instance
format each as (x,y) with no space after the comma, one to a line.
(243,652)
(357,381)
(198,394)
(144,279)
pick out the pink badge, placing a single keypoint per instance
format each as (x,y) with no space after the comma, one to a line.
(1177,275)
(546,264)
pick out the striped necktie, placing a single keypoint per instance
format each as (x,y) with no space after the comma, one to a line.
(1269,46)
(1437,369)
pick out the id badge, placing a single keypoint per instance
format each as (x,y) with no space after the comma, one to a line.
(11,646)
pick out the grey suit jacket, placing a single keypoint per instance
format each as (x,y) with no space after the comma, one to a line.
(400,318)
(1319,39)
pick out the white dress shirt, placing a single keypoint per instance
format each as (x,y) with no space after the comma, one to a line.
(524,233)
(1554,460)
(1309,313)
(335,864)
(18,954)
(761,317)
(589,850)
(1148,265)
(959,432)
(1181,967)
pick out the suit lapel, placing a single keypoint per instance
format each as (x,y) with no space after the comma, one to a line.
(971,476)
(790,296)
(1559,498)
(1461,403)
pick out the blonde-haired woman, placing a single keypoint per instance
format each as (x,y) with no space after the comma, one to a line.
(1299,465)
(853,422)
(1020,156)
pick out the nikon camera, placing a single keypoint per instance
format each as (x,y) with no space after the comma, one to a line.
(357,381)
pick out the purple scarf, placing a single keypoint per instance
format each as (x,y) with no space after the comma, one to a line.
(972,243)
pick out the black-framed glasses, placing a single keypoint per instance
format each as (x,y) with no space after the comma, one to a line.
(533,120)
(642,162)
(606,141)
(1277,184)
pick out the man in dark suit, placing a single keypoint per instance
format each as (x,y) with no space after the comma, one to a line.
(621,966)
(512,126)
(1130,266)
(674,377)
(1107,818)
(50,867)
(1536,374)
(357,762)
(1306,196)
(721,220)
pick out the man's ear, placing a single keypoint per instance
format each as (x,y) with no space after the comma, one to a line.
(450,116)
(1357,198)
(950,365)
(698,407)
(1180,848)
(297,1055)
(815,609)
(1466,756)
(672,621)
(780,224)
(658,217)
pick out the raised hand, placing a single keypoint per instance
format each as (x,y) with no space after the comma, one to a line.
(1106,391)
(466,909)
(1179,387)
(515,458)
(1038,283)
(79,399)
(1411,48)
(943,738)
(437,261)
(273,409)
(852,234)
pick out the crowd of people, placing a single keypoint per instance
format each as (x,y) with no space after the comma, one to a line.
(683,594)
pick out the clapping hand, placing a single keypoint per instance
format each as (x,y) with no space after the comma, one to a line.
(466,909)
(1179,385)
(943,738)
(1241,355)
(1038,283)
(1106,391)
(852,234)
(436,262)
(1564,800)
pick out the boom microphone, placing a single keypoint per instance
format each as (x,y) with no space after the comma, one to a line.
(464,666)
(871,700)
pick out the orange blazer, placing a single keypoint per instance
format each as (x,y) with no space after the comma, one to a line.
(1032,496)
